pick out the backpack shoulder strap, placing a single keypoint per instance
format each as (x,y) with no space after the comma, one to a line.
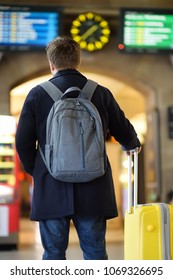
(54,92)
(89,88)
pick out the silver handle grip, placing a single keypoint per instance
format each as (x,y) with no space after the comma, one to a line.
(133,153)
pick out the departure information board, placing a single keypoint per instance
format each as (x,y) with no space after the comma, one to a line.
(145,31)
(27,29)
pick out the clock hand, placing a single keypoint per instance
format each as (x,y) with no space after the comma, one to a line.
(89,32)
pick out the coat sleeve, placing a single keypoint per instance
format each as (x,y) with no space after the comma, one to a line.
(120,127)
(26,138)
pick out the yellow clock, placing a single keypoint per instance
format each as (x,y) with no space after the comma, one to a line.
(91,31)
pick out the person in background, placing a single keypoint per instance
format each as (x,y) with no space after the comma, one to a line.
(55,203)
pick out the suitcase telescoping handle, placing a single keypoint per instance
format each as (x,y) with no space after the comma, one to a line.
(134,154)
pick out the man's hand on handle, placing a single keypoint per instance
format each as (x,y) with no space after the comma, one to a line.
(137,149)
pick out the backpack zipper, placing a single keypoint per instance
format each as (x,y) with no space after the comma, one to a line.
(81,130)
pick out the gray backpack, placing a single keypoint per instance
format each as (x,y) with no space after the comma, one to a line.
(75,146)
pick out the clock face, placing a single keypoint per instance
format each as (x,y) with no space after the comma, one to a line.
(90,31)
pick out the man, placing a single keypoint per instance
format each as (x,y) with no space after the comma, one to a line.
(55,203)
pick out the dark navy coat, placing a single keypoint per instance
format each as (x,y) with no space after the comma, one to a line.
(52,198)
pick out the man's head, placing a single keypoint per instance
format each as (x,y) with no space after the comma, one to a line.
(63,53)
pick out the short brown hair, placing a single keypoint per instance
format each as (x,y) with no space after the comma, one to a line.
(63,53)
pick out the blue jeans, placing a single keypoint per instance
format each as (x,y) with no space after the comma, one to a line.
(91,232)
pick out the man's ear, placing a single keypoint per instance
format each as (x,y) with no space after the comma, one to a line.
(52,67)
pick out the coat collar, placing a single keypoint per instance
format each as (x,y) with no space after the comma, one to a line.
(67,72)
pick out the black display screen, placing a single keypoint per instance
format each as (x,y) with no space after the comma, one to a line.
(28,28)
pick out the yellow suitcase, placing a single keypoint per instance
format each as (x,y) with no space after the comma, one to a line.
(148,229)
